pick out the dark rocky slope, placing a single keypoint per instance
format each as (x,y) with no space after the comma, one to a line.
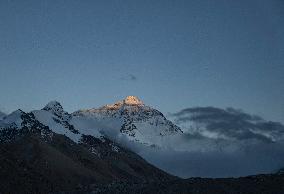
(33,164)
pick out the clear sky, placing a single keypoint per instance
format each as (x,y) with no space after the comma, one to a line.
(172,54)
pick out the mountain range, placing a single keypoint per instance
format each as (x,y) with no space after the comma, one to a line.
(129,117)
(95,150)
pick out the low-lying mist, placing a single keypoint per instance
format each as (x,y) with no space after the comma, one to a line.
(215,143)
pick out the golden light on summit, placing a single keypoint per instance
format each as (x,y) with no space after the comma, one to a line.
(133,100)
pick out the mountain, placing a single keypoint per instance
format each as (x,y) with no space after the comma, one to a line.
(54,116)
(131,117)
(54,158)
(53,151)
(50,150)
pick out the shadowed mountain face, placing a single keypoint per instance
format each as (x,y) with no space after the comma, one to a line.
(33,164)
(36,160)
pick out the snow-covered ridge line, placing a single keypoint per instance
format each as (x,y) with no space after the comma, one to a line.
(129,117)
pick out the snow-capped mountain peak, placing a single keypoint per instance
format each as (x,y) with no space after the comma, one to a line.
(133,100)
(128,101)
(54,107)
(131,117)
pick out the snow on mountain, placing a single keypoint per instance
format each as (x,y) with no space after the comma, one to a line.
(55,108)
(130,117)
(12,120)
(19,123)
(53,116)
(39,120)
(133,100)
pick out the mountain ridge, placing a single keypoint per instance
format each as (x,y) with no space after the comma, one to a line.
(148,132)
(129,117)
(52,157)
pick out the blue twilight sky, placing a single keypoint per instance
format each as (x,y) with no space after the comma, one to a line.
(173,54)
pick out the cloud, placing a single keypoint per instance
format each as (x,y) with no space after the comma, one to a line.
(249,160)
(198,156)
(228,123)
(215,143)
(188,155)
(212,114)
(129,77)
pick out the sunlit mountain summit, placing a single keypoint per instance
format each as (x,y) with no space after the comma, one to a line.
(132,117)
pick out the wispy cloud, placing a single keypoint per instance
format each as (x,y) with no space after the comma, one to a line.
(129,77)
